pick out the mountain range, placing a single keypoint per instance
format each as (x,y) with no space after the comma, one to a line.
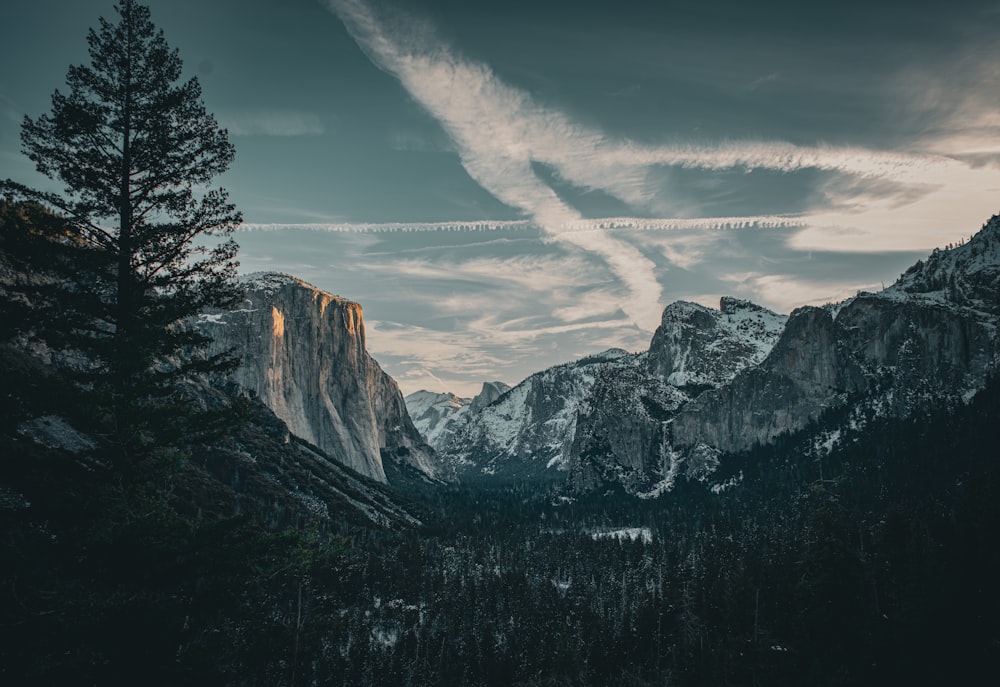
(713,381)
(721,381)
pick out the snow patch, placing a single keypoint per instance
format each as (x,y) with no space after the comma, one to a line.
(643,534)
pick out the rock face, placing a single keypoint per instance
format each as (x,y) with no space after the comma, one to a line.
(606,417)
(304,356)
(929,339)
(623,431)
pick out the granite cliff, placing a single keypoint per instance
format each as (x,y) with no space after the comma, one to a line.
(304,357)
(929,339)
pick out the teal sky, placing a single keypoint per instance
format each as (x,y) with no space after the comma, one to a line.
(783,152)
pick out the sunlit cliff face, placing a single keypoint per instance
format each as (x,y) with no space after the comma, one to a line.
(277,323)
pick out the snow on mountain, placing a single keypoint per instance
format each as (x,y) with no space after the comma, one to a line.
(435,414)
(965,275)
(928,341)
(699,346)
(529,430)
(438,416)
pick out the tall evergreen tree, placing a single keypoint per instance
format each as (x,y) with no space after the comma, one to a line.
(135,150)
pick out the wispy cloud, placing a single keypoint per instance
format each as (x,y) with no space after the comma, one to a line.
(758,82)
(499,131)
(422,357)
(786,292)
(272,122)
(615,224)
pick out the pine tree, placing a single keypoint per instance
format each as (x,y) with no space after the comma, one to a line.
(135,150)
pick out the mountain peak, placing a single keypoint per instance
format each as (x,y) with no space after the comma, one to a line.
(701,346)
(490,392)
(965,274)
(731,305)
(269,283)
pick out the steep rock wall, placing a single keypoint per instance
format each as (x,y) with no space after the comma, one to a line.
(304,356)
(912,353)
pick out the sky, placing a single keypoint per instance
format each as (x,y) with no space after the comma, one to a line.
(505,186)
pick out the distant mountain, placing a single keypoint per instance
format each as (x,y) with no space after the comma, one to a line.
(928,340)
(438,416)
(304,357)
(526,432)
(716,382)
(542,427)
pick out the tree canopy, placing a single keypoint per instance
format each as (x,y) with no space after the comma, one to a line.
(135,150)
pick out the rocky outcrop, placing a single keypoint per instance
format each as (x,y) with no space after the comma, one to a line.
(930,339)
(304,357)
(696,347)
(623,431)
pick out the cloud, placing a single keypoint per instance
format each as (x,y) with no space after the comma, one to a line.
(271,122)
(616,224)
(422,357)
(784,292)
(499,131)
(757,83)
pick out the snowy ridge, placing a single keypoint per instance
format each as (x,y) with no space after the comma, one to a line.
(700,346)
(435,414)
(965,275)
(532,426)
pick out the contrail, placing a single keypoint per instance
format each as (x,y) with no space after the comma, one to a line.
(611,224)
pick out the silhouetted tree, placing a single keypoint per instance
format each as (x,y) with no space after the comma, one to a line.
(135,150)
